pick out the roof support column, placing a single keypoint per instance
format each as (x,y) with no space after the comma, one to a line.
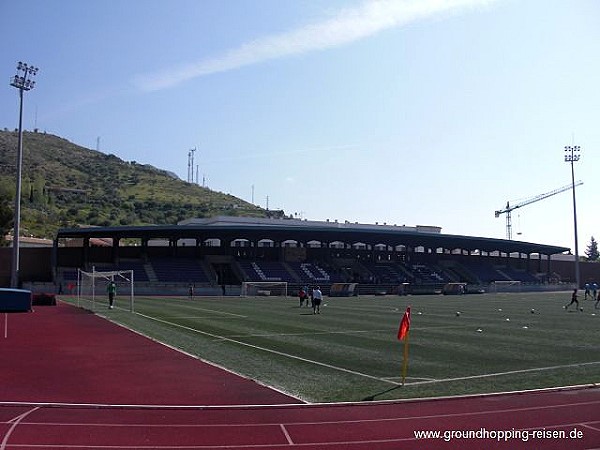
(114,253)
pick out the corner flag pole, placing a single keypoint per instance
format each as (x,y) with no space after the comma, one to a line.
(405,361)
(403,335)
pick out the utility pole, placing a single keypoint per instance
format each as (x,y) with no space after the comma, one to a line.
(192,151)
(189,165)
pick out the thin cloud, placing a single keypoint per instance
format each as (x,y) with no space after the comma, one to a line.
(268,155)
(347,26)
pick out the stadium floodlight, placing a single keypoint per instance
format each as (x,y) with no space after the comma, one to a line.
(23,82)
(572,154)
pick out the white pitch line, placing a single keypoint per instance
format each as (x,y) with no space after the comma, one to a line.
(185,304)
(311,333)
(497,374)
(412,378)
(314,333)
(275,352)
(204,317)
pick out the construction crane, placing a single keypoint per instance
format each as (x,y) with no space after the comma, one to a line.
(537,198)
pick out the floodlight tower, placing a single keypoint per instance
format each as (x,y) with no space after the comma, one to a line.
(23,82)
(571,155)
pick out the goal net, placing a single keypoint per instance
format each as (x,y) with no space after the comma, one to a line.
(92,289)
(344,290)
(264,288)
(505,286)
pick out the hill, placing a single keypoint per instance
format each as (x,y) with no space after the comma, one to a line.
(66,185)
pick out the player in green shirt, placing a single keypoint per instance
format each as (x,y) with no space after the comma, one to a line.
(112,291)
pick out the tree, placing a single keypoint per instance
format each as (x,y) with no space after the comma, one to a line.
(6,218)
(592,250)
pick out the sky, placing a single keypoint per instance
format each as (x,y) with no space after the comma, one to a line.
(425,112)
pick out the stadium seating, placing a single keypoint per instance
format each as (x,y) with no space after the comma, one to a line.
(139,271)
(266,271)
(484,271)
(313,273)
(518,275)
(428,274)
(387,273)
(178,270)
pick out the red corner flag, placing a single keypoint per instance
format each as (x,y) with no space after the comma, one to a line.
(404,325)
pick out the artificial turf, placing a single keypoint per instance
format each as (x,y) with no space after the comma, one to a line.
(350,351)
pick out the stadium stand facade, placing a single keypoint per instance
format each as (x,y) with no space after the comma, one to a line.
(212,253)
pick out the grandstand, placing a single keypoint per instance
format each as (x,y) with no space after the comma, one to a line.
(229,251)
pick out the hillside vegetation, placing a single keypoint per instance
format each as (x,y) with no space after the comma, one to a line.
(65,185)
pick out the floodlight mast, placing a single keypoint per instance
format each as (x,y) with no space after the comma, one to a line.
(23,82)
(571,155)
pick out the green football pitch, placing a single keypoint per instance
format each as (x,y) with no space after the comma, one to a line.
(350,352)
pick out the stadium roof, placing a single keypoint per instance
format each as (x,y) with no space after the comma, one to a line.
(279,230)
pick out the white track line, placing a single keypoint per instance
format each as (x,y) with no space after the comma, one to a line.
(15,422)
(571,388)
(587,425)
(286,434)
(488,412)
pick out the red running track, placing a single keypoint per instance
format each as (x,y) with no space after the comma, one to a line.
(64,355)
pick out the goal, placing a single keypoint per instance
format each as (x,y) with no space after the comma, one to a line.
(91,289)
(505,286)
(344,290)
(264,288)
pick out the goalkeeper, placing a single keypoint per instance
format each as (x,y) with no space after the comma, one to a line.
(112,291)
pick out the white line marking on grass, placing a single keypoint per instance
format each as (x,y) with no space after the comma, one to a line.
(488,375)
(286,434)
(411,378)
(204,317)
(15,422)
(391,331)
(275,352)
(186,304)
(308,333)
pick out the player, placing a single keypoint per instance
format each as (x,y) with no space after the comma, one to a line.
(302,296)
(191,292)
(573,300)
(112,291)
(317,298)
(587,291)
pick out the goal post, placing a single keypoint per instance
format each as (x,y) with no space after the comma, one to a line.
(505,286)
(92,287)
(264,289)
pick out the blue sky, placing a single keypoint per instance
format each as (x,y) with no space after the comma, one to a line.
(406,112)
